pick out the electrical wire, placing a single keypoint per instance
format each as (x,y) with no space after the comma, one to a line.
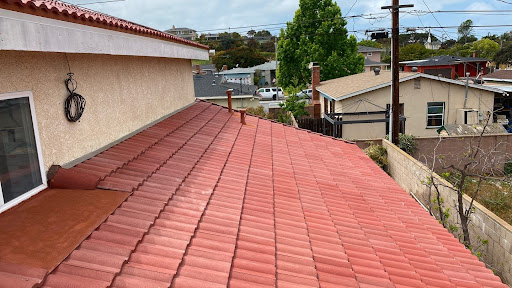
(74,105)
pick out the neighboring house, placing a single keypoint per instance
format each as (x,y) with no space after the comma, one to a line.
(451,67)
(185,33)
(129,75)
(209,87)
(372,58)
(266,73)
(211,36)
(436,45)
(204,69)
(501,79)
(426,103)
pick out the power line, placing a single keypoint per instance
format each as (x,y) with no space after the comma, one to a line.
(365,16)
(355,2)
(504,1)
(435,17)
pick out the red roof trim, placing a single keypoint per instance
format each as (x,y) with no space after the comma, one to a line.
(54,9)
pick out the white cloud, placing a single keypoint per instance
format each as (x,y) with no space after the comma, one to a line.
(201,14)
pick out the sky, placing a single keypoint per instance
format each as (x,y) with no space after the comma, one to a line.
(214,16)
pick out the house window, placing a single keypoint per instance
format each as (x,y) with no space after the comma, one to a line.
(21,165)
(369,54)
(435,114)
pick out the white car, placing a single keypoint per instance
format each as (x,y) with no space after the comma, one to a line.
(307,93)
(270,93)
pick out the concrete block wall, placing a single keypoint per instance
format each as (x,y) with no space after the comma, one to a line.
(411,175)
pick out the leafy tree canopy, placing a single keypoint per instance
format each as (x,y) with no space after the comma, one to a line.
(263,33)
(465,30)
(504,55)
(415,51)
(317,33)
(485,48)
(241,56)
(370,43)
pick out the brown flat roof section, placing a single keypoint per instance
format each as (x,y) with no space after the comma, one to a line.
(39,233)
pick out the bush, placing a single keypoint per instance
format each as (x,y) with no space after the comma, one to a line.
(406,142)
(259,111)
(508,168)
(378,154)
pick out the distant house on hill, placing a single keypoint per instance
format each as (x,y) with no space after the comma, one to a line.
(372,58)
(185,33)
(451,67)
(265,72)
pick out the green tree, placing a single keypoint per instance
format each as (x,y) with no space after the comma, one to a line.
(263,33)
(485,48)
(241,56)
(296,105)
(504,55)
(465,30)
(370,43)
(317,34)
(416,51)
(458,49)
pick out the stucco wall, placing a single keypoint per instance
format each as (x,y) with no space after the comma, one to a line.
(415,105)
(411,175)
(123,94)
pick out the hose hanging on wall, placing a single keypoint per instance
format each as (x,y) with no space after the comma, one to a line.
(74,105)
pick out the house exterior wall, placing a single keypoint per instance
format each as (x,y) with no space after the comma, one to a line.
(415,106)
(123,94)
(375,56)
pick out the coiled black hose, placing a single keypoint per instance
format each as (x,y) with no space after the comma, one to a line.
(74,105)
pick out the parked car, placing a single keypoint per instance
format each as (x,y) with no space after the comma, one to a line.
(307,93)
(270,93)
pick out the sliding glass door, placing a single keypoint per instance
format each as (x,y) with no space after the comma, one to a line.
(21,166)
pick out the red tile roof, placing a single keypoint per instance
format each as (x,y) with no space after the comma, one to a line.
(215,203)
(57,10)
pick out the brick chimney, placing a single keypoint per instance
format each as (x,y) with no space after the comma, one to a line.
(315,81)
(224,67)
(474,54)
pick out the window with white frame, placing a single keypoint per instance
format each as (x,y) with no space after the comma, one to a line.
(21,165)
(435,114)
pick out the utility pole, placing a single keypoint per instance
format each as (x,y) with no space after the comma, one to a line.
(395,66)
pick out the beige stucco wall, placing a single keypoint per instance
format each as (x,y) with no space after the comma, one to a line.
(123,94)
(412,176)
(375,56)
(415,105)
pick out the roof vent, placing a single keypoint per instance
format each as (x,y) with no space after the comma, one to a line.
(376,71)
(214,83)
(414,69)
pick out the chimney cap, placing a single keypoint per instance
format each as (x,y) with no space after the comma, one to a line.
(414,69)
(376,71)
(313,64)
